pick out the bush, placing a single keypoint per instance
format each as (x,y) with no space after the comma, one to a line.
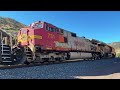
(118,55)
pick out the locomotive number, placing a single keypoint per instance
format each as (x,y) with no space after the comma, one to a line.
(50,35)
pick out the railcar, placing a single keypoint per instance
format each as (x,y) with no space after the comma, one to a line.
(43,41)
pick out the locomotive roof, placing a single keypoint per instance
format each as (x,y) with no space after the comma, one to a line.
(93,40)
(98,42)
(57,27)
(66,31)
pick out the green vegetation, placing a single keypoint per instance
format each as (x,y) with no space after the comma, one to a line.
(118,55)
(10,25)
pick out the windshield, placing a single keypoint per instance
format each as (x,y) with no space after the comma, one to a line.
(37,25)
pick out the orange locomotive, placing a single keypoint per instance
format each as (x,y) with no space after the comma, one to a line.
(43,41)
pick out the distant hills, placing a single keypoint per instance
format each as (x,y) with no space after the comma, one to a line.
(116,45)
(10,25)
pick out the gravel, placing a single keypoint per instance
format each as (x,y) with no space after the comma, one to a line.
(64,70)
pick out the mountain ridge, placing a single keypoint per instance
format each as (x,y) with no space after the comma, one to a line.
(115,45)
(10,25)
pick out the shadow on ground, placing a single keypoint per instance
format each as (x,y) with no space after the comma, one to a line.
(112,69)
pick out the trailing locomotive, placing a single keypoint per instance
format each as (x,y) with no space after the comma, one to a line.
(43,41)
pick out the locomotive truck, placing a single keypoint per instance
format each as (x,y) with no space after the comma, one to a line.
(45,42)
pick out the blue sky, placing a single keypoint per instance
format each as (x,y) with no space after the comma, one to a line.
(101,25)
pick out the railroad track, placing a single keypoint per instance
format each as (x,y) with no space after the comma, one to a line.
(35,64)
(39,64)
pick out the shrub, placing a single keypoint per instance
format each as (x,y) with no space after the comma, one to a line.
(118,55)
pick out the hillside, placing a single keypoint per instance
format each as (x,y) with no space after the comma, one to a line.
(10,25)
(116,45)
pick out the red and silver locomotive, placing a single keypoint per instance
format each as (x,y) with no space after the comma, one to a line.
(43,41)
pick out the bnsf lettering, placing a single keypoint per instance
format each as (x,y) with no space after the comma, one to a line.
(58,44)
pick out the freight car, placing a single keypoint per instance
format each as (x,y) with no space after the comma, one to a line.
(43,42)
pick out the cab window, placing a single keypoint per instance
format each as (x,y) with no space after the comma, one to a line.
(73,34)
(47,27)
(52,30)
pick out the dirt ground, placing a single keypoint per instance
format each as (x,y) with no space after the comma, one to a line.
(111,76)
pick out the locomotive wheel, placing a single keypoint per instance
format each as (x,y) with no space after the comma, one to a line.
(18,56)
(20,59)
(99,57)
(68,56)
(51,59)
(26,62)
(62,58)
(95,57)
(113,56)
(41,60)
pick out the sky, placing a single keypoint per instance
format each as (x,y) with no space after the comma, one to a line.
(100,25)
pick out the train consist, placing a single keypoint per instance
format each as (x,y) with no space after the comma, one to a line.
(44,42)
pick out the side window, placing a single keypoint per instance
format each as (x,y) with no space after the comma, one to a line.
(65,39)
(57,30)
(62,31)
(39,25)
(73,34)
(52,30)
(47,28)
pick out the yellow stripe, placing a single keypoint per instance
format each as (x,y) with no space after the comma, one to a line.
(36,36)
(24,38)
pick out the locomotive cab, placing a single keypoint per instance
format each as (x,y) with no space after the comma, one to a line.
(36,25)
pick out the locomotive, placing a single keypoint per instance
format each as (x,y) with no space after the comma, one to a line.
(45,42)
